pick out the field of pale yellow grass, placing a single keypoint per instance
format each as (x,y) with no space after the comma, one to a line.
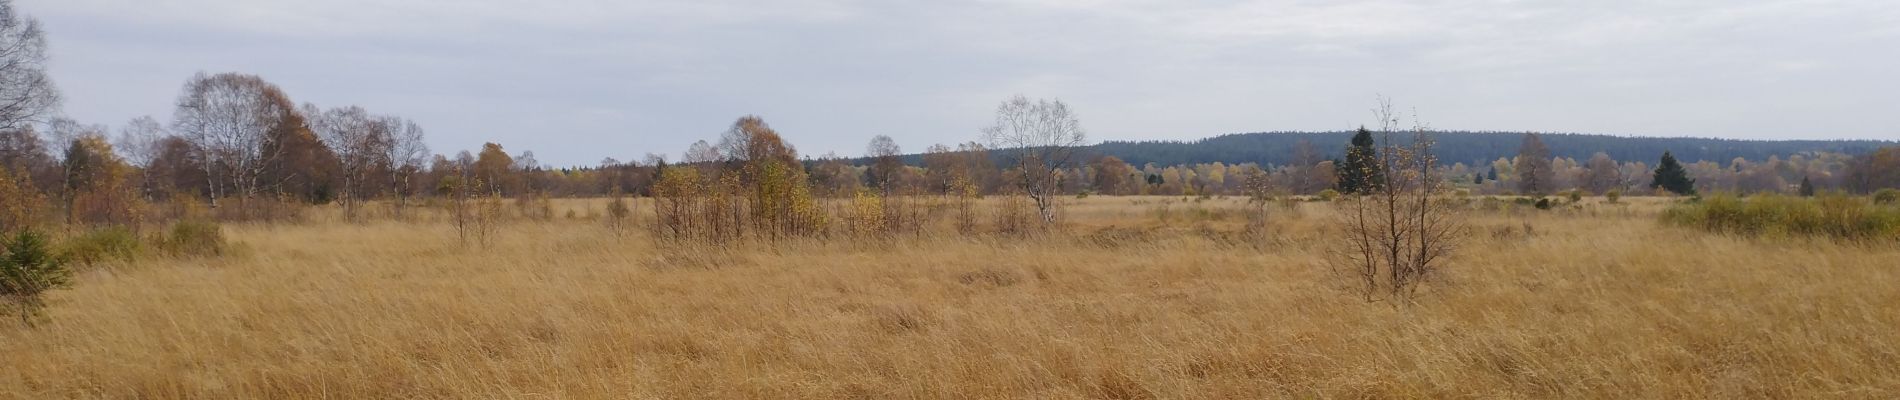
(1148,297)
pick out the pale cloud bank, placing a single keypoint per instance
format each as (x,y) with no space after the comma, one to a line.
(579,80)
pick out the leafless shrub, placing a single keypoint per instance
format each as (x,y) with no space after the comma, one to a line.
(722,213)
(866,216)
(964,200)
(904,214)
(473,210)
(488,217)
(536,206)
(692,208)
(676,201)
(1015,216)
(1399,234)
(1259,190)
(619,215)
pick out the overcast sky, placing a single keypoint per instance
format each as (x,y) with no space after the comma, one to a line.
(580,80)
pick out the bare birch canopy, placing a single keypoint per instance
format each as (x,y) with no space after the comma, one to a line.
(229,117)
(1040,137)
(27,94)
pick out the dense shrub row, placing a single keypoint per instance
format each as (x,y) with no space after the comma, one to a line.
(1845,217)
(187,238)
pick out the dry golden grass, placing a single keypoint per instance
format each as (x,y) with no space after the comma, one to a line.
(1600,303)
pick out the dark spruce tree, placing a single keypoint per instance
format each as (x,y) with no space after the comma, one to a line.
(1360,174)
(1672,177)
(1807,187)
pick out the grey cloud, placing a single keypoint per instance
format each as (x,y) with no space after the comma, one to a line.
(579,80)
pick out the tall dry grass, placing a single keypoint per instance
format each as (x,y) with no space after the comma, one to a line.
(1128,302)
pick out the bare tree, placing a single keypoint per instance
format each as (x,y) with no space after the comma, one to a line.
(229,117)
(1041,138)
(1304,169)
(700,152)
(22,151)
(703,157)
(140,140)
(174,167)
(1603,174)
(532,175)
(832,177)
(751,142)
(1398,234)
(27,94)
(372,147)
(1535,175)
(357,139)
(527,162)
(976,167)
(406,154)
(62,131)
(940,168)
(1112,176)
(885,165)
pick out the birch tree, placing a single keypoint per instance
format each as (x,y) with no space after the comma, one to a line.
(1041,138)
(229,118)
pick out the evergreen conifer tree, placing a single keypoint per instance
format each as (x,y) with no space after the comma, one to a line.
(1360,174)
(1672,177)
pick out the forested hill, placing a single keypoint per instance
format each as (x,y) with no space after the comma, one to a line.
(1474,148)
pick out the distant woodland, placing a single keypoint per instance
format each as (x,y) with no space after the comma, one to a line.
(1277,148)
(238,138)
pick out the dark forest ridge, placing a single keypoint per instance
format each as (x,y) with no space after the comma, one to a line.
(1469,147)
(1474,147)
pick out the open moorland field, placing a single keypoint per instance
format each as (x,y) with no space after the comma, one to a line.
(1134,297)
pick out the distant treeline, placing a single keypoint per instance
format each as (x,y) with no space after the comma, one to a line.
(1473,148)
(1469,147)
(236,136)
